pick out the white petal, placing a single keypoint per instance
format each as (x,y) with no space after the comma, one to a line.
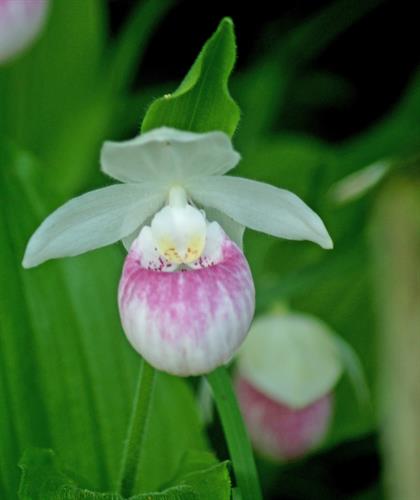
(169,156)
(233,229)
(261,207)
(293,358)
(93,220)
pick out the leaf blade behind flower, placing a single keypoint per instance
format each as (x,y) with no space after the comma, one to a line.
(202,101)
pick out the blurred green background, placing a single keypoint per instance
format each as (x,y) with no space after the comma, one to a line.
(325,89)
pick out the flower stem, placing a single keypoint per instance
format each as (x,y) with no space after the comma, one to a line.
(136,430)
(236,435)
(396,249)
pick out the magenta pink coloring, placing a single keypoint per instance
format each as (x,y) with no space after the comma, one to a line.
(187,322)
(278,431)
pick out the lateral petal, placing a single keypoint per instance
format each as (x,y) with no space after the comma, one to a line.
(93,220)
(261,207)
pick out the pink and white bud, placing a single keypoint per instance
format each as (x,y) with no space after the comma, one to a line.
(20,23)
(188,318)
(287,370)
(279,431)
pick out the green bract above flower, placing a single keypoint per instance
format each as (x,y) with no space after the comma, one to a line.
(150,166)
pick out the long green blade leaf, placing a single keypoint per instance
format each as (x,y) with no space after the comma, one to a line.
(236,435)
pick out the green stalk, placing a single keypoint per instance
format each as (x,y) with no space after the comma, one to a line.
(236,435)
(136,430)
(396,251)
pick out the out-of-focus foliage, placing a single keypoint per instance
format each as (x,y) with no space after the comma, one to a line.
(66,372)
(199,477)
(59,99)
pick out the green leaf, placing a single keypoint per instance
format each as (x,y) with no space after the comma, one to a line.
(65,120)
(44,479)
(67,373)
(202,102)
(200,477)
(93,119)
(173,428)
(209,478)
(193,461)
(236,435)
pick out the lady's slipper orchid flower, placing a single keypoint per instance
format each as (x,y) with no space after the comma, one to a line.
(287,370)
(186,295)
(20,22)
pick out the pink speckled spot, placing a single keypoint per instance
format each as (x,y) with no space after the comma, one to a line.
(187,322)
(278,431)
